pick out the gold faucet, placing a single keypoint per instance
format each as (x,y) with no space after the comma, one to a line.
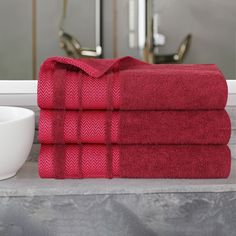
(149,54)
(71,45)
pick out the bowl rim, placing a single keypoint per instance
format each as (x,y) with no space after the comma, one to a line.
(29,113)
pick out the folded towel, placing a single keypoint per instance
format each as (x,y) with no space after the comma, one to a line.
(129,84)
(134,127)
(134,161)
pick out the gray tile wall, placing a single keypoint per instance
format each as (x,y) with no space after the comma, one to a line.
(15,40)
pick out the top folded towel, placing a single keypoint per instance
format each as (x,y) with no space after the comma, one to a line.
(129,84)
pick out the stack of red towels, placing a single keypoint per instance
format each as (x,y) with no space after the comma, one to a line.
(123,118)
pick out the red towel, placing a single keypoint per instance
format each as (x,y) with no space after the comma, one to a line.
(129,84)
(134,161)
(135,127)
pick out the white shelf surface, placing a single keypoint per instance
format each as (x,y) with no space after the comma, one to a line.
(27,183)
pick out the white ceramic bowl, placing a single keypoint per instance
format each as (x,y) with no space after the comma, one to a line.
(17,127)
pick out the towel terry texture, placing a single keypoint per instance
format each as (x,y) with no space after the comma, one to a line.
(123,118)
(129,84)
(136,127)
(135,161)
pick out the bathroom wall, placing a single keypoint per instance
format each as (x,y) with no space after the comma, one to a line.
(15,40)
(212,23)
(80,23)
(16,32)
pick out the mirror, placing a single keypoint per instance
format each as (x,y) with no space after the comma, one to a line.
(156,31)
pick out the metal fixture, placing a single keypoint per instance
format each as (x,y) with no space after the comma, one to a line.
(71,45)
(150,39)
(175,57)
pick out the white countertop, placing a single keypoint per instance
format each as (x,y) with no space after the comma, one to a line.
(28,183)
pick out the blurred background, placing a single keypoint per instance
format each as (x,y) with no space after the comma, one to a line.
(156,31)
